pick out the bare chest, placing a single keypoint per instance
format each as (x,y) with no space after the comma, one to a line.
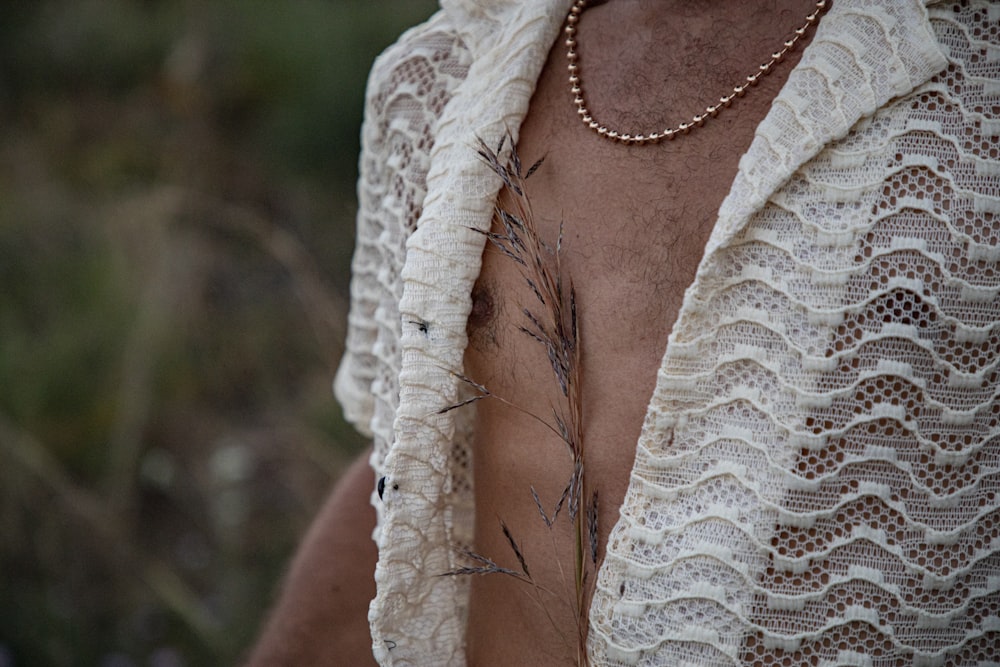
(630,231)
(631,224)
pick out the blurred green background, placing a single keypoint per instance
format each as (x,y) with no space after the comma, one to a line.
(176,223)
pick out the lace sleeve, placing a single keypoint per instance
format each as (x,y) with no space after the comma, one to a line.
(409,85)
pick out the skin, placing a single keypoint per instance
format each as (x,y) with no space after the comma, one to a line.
(322,615)
(635,222)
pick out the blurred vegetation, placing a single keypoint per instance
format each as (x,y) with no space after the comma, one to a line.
(176,223)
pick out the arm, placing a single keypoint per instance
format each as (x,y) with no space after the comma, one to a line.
(322,615)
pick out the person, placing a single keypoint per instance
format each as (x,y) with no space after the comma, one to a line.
(788,343)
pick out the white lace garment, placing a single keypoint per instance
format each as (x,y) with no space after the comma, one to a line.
(817,478)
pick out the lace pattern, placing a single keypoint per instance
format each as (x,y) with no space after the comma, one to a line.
(817,478)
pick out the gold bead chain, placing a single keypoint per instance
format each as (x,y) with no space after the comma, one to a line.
(576,84)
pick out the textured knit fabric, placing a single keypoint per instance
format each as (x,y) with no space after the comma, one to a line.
(818,476)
